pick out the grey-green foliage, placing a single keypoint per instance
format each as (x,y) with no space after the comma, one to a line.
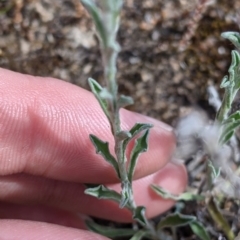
(106,16)
(231,84)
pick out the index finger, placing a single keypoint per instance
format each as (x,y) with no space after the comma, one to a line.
(44,130)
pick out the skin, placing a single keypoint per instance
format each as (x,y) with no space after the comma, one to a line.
(46,156)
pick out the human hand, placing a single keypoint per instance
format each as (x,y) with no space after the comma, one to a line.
(46,157)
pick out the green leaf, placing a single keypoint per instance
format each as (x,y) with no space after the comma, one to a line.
(125,194)
(187,196)
(102,192)
(139,215)
(95,12)
(103,149)
(139,235)
(105,94)
(122,135)
(141,145)
(124,101)
(214,171)
(228,131)
(234,70)
(225,83)
(175,220)
(233,117)
(231,85)
(97,89)
(109,232)
(234,37)
(199,230)
(136,129)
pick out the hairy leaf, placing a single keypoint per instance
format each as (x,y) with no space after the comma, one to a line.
(97,89)
(136,129)
(123,135)
(125,194)
(110,232)
(187,196)
(199,230)
(228,131)
(102,192)
(231,85)
(139,235)
(139,215)
(124,101)
(141,145)
(234,37)
(175,220)
(97,18)
(102,148)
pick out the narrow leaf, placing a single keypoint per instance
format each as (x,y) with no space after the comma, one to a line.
(225,83)
(139,235)
(103,149)
(228,131)
(141,145)
(187,196)
(234,37)
(175,220)
(122,135)
(231,118)
(97,89)
(110,232)
(125,194)
(124,101)
(234,71)
(136,129)
(199,230)
(139,215)
(96,15)
(235,116)
(102,192)
(214,170)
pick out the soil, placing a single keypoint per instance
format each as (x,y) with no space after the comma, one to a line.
(171,51)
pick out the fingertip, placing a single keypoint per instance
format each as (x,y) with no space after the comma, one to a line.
(27,230)
(173,178)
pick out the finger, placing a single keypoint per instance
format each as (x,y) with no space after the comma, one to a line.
(44,130)
(27,230)
(41,213)
(71,197)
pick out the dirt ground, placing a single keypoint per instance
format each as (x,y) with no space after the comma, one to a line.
(56,38)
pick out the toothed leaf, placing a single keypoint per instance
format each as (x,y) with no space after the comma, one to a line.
(102,148)
(97,89)
(139,215)
(141,145)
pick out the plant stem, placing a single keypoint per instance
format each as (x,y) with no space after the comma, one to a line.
(110,52)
